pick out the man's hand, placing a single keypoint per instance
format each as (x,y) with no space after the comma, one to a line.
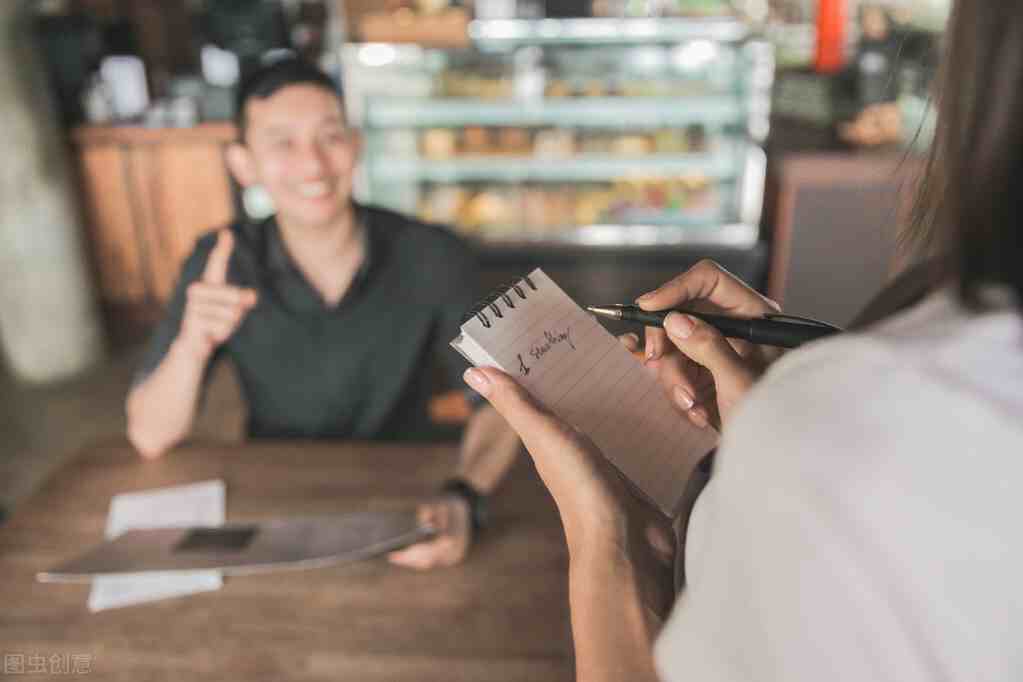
(214,309)
(449,517)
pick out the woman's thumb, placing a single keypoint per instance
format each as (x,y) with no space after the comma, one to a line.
(511,400)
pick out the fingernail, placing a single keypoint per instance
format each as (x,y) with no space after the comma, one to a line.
(678,325)
(700,417)
(478,380)
(633,337)
(645,297)
(683,398)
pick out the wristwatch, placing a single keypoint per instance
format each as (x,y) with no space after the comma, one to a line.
(479,509)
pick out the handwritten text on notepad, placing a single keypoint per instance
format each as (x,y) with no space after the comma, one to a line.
(550,340)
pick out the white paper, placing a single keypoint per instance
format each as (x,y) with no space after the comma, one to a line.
(196,504)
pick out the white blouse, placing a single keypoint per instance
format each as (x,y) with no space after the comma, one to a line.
(865,516)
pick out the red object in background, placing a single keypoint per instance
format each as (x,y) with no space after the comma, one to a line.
(831,39)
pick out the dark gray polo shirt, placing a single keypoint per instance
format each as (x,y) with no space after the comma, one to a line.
(363,369)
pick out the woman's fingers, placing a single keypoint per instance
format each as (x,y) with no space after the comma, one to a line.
(705,345)
(699,416)
(708,281)
(567,461)
(513,402)
(660,543)
(675,369)
(630,341)
(656,343)
(706,286)
(683,399)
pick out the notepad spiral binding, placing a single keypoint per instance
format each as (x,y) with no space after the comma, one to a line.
(491,302)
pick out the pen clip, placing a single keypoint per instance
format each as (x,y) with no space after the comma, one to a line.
(801,320)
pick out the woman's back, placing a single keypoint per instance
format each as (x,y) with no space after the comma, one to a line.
(862,520)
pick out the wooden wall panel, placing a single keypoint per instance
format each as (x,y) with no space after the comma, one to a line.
(835,243)
(110,206)
(190,193)
(149,194)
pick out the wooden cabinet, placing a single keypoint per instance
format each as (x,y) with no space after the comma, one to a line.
(836,237)
(148,194)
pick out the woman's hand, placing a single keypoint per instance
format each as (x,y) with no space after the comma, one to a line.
(617,595)
(586,492)
(705,374)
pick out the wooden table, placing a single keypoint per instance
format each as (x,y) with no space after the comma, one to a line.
(503,615)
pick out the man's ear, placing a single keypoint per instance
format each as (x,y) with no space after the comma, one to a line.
(241,164)
(356,142)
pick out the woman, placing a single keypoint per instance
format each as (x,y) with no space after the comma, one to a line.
(861,521)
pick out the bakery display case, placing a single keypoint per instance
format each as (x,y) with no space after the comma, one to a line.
(589,132)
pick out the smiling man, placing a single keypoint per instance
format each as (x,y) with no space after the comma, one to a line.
(336,315)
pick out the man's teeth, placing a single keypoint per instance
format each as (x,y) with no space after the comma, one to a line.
(314,190)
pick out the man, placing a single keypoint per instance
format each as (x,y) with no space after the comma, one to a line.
(332,312)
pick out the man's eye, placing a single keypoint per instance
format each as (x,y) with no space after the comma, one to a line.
(335,136)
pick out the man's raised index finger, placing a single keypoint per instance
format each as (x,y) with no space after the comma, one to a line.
(220,256)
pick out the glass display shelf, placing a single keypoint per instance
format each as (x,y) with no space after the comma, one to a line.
(406,112)
(593,132)
(507,33)
(627,237)
(579,169)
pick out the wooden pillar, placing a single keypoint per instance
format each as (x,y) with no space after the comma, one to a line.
(49,322)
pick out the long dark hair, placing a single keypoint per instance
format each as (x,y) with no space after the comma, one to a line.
(970,201)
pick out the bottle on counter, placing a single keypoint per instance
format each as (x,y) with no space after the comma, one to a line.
(831,36)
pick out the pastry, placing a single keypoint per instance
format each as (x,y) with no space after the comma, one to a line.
(513,141)
(439,144)
(554,143)
(476,141)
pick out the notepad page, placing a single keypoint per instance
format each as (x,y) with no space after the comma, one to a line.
(568,361)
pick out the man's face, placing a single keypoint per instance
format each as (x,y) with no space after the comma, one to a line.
(300,150)
(875,23)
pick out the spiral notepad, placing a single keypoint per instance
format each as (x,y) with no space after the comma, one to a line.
(533,331)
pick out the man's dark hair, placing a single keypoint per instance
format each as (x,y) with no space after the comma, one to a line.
(267,80)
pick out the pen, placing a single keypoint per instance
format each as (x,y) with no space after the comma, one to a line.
(783,331)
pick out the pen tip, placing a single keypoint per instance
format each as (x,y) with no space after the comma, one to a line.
(604,311)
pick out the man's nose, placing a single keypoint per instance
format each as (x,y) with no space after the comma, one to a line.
(312,159)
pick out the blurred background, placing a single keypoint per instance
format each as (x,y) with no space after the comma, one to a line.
(612,142)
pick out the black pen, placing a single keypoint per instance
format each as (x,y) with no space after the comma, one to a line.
(783,331)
